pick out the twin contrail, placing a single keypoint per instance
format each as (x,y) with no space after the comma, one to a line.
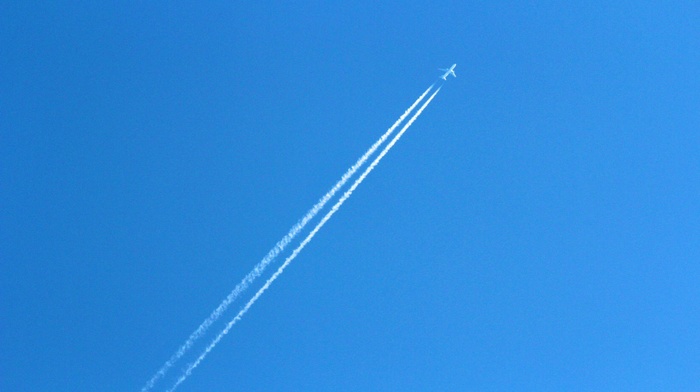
(275,251)
(301,246)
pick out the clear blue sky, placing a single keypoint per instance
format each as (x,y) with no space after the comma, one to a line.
(538,228)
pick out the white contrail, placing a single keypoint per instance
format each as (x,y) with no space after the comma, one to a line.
(274,252)
(301,246)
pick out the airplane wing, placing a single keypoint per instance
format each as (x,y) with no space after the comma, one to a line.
(448,72)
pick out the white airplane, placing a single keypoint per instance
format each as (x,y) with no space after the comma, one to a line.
(448,72)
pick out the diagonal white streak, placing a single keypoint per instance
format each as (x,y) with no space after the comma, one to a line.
(274,252)
(299,248)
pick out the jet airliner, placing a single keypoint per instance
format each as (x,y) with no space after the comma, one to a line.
(448,72)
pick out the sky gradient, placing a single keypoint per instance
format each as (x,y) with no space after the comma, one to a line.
(535,229)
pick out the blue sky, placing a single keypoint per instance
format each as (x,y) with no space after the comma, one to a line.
(535,229)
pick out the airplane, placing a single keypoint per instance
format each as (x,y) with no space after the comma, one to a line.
(448,71)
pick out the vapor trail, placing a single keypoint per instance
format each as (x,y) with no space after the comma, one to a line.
(274,252)
(299,248)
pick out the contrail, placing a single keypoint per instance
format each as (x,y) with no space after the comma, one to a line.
(274,252)
(301,246)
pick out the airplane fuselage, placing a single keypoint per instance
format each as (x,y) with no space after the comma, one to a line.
(448,72)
